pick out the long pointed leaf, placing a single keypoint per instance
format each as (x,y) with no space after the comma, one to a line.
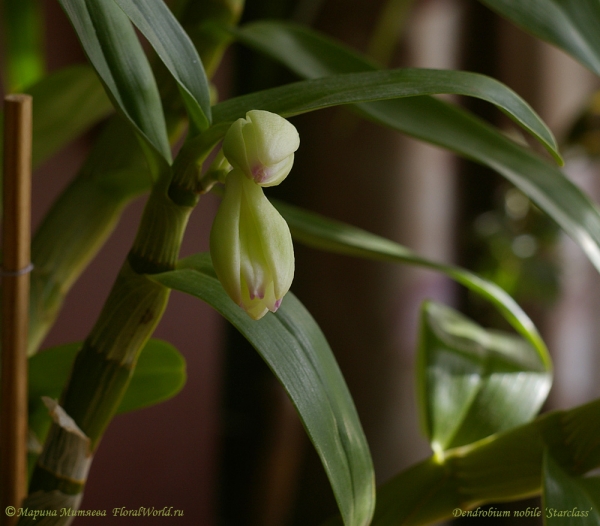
(154,19)
(367,86)
(54,122)
(312,55)
(115,172)
(572,25)
(334,236)
(445,125)
(66,104)
(494,373)
(295,349)
(114,50)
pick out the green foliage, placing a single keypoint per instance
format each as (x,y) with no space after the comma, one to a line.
(25,64)
(571,25)
(54,124)
(174,47)
(114,50)
(333,236)
(353,88)
(474,383)
(159,375)
(569,499)
(445,125)
(504,467)
(295,349)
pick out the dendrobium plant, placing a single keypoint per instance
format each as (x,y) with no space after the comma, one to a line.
(479,391)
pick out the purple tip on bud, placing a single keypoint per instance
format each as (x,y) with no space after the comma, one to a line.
(257,293)
(259,174)
(277,305)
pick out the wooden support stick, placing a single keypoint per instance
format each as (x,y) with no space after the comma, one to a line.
(16,241)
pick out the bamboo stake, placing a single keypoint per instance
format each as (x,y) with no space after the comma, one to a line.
(15,303)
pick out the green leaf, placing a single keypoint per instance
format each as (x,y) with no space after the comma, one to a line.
(442,124)
(114,50)
(352,88)
(156,22)
(159,375)
(569,500)
(295,349)
(572,25)
(314,56)
(334,236)
(489,374)
(55,123)
(474,382)
(24,54)
(505,467)
(546,185)
(307,53)
(115,172)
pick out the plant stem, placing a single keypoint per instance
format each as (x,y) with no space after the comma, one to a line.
(115,173)
(103,367)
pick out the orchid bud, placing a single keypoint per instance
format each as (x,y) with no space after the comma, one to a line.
(262,146)
(251,247)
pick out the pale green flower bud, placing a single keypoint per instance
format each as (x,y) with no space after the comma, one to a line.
(262,146)
(251,247)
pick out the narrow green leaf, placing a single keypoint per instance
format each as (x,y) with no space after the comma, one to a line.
(24,54)
(156,22)
(368,86)
(546,185)
(489,374)
(326,234)
(569,500)
(312,55)
(159,375)
(572,25)
(114,50)
(307,53)
(55,123)
(295,349)
(442,124)
(474,382)
(66,103)
(115,172)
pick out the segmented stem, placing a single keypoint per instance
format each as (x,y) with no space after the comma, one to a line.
(104,366)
